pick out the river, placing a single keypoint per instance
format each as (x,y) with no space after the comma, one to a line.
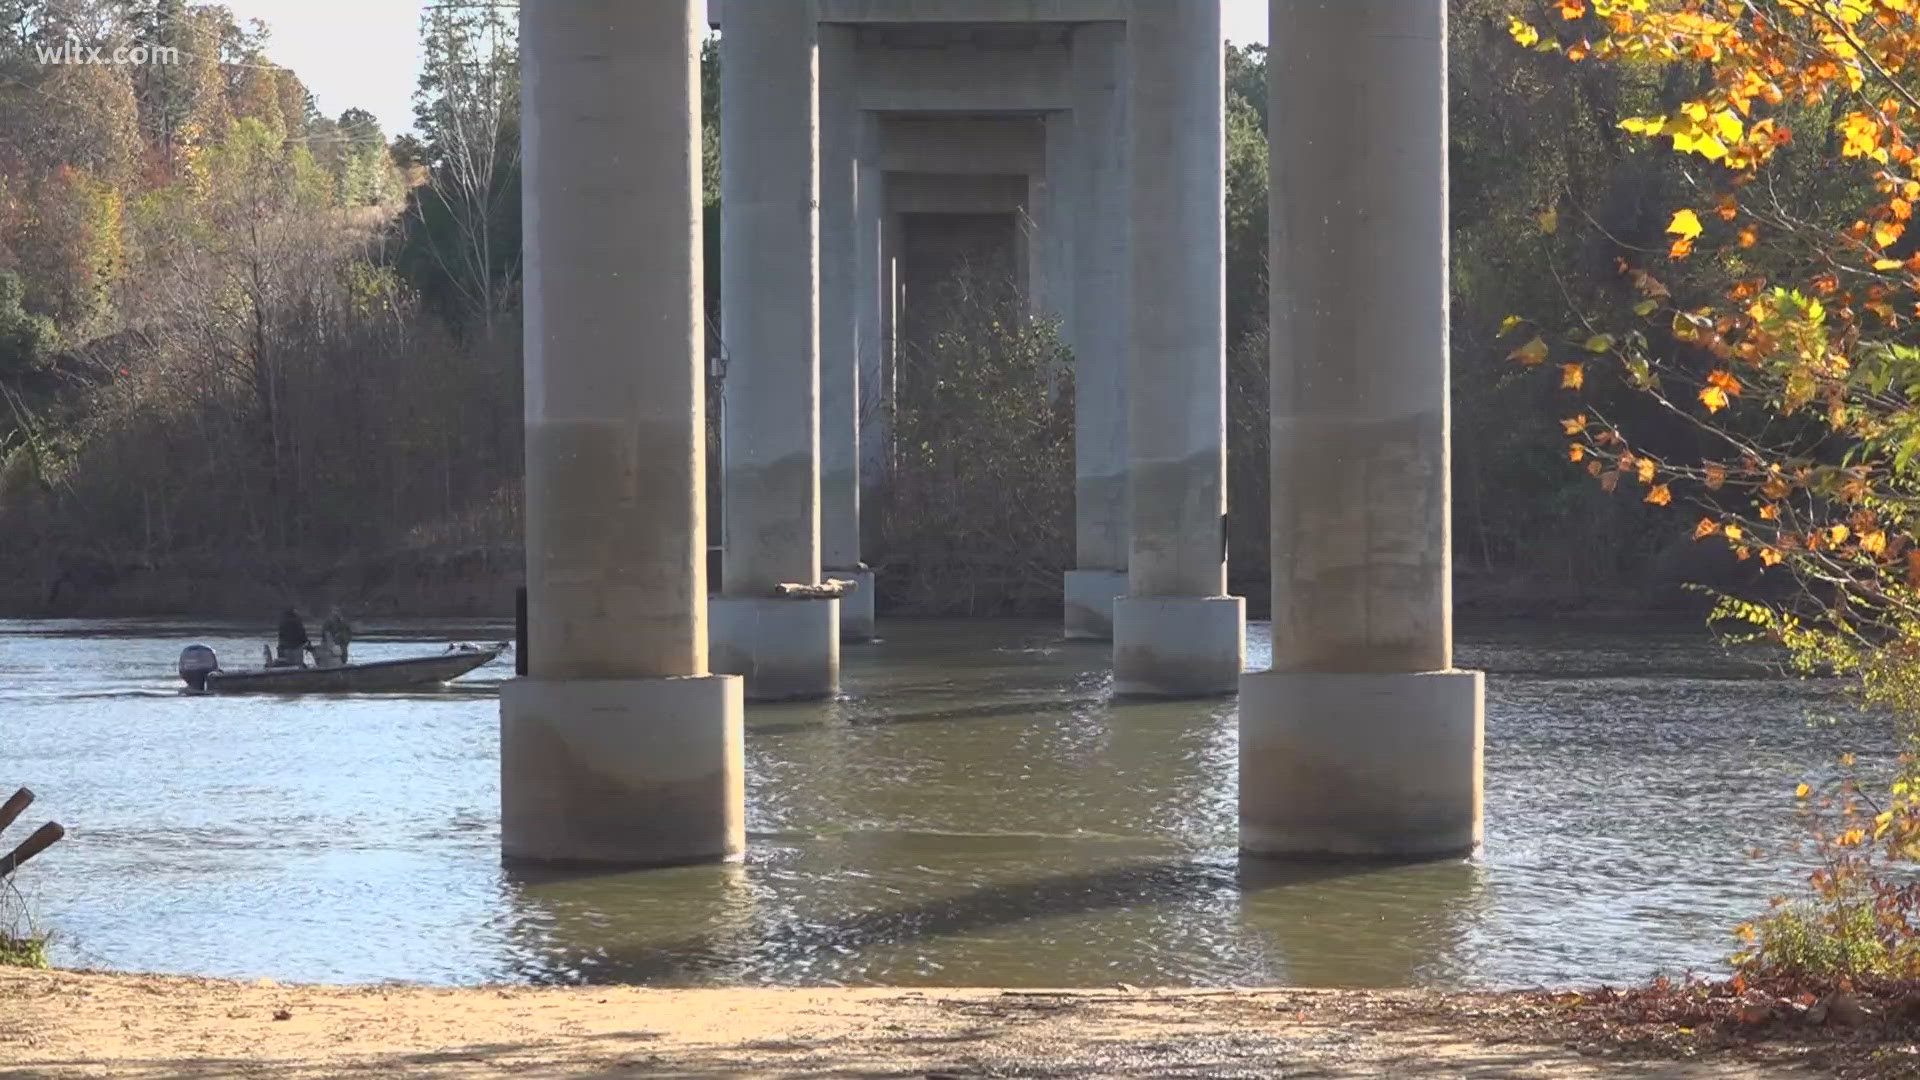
(973,811)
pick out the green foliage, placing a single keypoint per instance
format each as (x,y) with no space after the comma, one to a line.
(25,339)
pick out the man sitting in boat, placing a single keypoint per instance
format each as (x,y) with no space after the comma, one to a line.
(293,640)
(336,633)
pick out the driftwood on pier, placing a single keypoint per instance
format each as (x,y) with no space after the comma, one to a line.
(36,842)
(830,589)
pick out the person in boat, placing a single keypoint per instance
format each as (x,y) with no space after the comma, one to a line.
(293,640)
(337,633)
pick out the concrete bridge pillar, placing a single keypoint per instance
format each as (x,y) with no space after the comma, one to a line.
(1362,740)
(1176,633)
(618,747)
(770,281)
(847,290)
(1091,193)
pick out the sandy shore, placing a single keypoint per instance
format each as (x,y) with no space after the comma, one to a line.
(64,1024)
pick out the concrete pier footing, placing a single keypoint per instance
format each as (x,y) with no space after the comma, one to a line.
(1089,602)
(856,607)
(1361,765)
(788,650)
(1178,646)
(628,771)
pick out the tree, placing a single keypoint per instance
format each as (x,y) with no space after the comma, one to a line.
(1774,331)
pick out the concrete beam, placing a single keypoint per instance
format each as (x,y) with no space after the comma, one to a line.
(769,236)
(1176,632)
(618,746)
(1094,201)
(964,145)
(1362,685)
(950,11)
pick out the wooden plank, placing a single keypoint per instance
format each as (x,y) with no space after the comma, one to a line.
(14,806)
(42,839)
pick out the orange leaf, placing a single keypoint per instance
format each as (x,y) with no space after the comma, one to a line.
(1658,495)
(1713,398)
(1644,468)
(1575,452)
(1749,236)
(1572,376)
(1706,528)
(1572,9)
(1725,381)
(1769,557)
(1770,512)
(1574,425)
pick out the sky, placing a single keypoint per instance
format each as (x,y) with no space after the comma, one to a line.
(366,53)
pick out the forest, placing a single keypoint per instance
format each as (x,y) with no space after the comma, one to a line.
(251,354)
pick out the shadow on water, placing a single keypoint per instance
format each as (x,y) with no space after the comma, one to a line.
(746,937)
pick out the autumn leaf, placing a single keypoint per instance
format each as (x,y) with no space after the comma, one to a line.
(1658,495)
(1837,535)
(1609,481)
(1734,532)
(1507,324)
(1572,376)
(1716,475)
(1572,9)
(1725,381)
(1574,425)
(1530,354)
(1713,398)
(1646,307)
(1523,33)
(1598,343)
(1802,791)
(1873,542)
(1770,512)
(1770,557)
(1549,220)
(1685,225)
(1886,233)
(1706,528)
(1644,470)
(1749,236)
(1575,452)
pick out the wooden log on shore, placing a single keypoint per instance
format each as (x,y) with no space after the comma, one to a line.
(41,839)
(12,808)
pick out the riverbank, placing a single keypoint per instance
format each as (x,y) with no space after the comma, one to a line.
(63,1023)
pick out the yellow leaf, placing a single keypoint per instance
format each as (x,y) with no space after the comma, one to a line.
(1523,33)
(1644,470)
(1887,264)
(1574,425)
(1873,542)
(1886,232)
(1599,343)
(1838,535)
(1802,791)
(1549,219)
(1769,557)
(1713,398)
(1770,512)
(1658,495)
(1530,354)
(1507,324)
(1685,224)
(1734,532)
(1575,452)
(1572,376)
(1645,307)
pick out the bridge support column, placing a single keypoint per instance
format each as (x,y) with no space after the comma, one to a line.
(618,746)
(845,293)
(1176,633)
(1362,740)
(770,305)
(1093,199)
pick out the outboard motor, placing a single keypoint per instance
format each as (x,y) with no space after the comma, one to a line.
(196,663)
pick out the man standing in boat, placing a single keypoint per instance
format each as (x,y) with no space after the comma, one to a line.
(337,632)
(293,640)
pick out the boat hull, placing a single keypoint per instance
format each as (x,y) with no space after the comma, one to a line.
(370,677)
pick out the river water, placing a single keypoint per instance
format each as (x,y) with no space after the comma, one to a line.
(974,811)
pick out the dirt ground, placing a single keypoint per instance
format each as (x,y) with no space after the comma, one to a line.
(68,1024)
